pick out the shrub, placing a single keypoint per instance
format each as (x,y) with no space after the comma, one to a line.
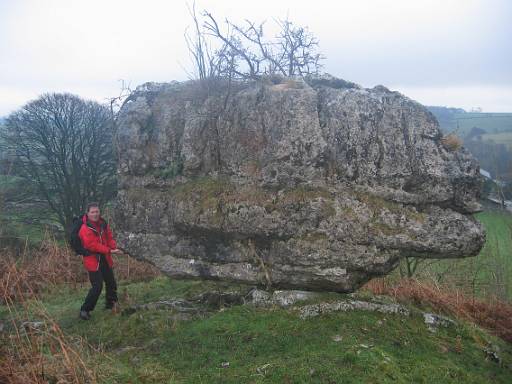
(451,142)
(42,269)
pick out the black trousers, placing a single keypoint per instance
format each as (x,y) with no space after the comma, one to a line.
(104,273)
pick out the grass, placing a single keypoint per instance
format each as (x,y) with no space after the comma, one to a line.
(497,252)
(20,222)
(270,345)
(27,226)
(490,272)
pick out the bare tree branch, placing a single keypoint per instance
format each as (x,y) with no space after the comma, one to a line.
(245,54)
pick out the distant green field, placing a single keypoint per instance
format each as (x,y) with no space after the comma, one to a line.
(22,223)
(490,122)
(495,259)
(499,138)
(488,273)
(461,122)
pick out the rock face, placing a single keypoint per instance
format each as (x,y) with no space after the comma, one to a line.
(314,184)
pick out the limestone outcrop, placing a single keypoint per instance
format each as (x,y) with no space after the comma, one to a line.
(315,184)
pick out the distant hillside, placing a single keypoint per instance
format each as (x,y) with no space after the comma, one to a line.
(446,116)
(457,119)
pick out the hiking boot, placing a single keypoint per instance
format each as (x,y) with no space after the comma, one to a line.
(84,315)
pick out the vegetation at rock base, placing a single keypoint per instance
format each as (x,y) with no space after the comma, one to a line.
(490,272)
(241,344)
(237,344)
(245,344)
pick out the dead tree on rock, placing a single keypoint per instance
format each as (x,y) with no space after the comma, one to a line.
(243,51)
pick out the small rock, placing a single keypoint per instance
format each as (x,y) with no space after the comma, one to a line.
(218,300)
(492,355)
(32,325)
(337,338)
(259,297)
(287,298)
(263,369)
(283,298)
(434,321)
(314,310)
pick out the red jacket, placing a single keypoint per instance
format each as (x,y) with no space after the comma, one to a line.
(96,238)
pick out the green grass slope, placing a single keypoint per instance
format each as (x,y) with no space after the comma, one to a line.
(496,256)
(22,217)
(245,344)
(488,273)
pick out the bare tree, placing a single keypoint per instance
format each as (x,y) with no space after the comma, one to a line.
(64,145)
(115,103)
(298,48)
(243,51)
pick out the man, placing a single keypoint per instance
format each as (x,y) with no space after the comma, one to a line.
(97,238)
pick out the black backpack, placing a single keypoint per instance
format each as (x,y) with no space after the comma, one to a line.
(74,239)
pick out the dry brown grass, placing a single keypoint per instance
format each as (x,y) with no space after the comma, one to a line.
(41,352)
(44,354)
(36,352)
(491,313)
(51,264)
(451,142)
(288,84)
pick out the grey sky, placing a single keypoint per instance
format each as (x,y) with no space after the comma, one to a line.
(450,52)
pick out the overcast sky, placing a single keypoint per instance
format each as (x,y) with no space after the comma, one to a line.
(439,52)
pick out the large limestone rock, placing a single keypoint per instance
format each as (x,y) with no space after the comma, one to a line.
(316,184)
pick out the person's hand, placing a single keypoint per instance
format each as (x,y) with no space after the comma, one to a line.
(116,251)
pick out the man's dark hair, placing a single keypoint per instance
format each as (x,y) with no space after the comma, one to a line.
(92,205)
